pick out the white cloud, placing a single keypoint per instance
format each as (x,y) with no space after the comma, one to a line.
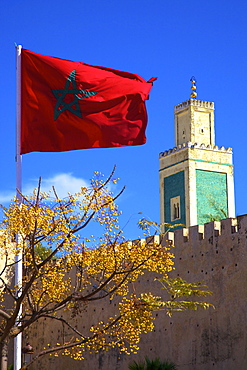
(63,183)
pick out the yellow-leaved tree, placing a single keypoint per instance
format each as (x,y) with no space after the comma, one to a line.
(64,272)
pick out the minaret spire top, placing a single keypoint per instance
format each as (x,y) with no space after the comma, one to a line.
(193,95)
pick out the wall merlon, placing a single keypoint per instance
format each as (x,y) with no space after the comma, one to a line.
(242,224)
(228,226)
(181,236)
(138,241)
(212,229)
(167,238)
(196,232)
(154,239)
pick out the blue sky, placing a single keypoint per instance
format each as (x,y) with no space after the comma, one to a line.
(171,40)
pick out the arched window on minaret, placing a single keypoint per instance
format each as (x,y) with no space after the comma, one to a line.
(175,208)
(178,211)
(174,211)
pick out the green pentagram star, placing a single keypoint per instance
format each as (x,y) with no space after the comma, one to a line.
(73,106)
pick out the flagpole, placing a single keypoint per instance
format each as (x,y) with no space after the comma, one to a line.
(18,257)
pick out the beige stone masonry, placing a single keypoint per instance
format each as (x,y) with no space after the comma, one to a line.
(214,339)
(195,103)
(209,148)
(194,121)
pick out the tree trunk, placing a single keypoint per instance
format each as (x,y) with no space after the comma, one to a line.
(4,355)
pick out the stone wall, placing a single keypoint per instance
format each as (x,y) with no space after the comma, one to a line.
(214,339)
(215,253)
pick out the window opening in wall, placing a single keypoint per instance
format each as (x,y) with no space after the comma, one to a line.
(175,208)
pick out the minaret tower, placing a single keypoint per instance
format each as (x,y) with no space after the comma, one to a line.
(196,176)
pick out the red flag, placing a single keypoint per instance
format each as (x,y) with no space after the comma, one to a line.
(67,105)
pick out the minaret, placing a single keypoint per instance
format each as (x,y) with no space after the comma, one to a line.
(196,176)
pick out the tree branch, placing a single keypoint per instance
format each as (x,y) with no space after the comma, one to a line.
(4,314)
(71,345)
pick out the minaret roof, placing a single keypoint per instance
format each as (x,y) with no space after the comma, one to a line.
(194,103)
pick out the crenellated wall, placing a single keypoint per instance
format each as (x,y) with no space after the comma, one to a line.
(215,253)
(195,103)
(215,148)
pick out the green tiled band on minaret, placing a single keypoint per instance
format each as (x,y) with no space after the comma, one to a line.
(174,187)
(211,196)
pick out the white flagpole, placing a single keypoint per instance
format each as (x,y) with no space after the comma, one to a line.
(18,265)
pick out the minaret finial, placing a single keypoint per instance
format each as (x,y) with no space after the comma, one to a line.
(193,87)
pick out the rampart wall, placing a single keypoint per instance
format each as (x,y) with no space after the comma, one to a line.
(215,253)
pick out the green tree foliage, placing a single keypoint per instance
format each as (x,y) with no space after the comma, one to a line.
(42,251)
(155,364)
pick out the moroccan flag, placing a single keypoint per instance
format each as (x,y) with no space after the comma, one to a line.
(67,105)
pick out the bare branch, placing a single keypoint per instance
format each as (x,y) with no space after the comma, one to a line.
(4,314)
(64,322)
(70,345)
